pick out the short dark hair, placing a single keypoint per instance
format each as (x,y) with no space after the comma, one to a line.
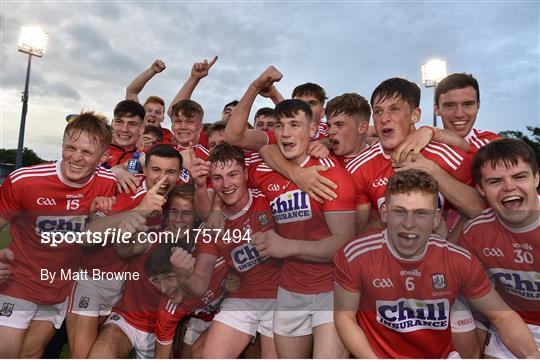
(159,260)
(217,126)
(231,104)
(404,89)
(129,108)
(456,81)
(151,129)
(224,153)
(290,107)
(310,89)
(264,111)
(189,108)
(412,180)
(184,191)
(350,104)
(505,152)
(164,151)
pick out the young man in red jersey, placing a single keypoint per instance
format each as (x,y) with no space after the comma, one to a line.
(154,106)
(309,234)
(506,237)
(394,288)
(395,104)
(38,201)
(348,122)
(251,309)
(91,300)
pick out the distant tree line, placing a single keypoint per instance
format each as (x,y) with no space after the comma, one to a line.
(29,157)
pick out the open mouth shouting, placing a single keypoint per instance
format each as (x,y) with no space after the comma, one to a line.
(512,202)
(407,239)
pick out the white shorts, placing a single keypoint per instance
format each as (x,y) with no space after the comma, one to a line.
(143,342)
(194,329)
(250,316)
(461,317)
(95,297)
(496,348)
(18,313)
(297,314)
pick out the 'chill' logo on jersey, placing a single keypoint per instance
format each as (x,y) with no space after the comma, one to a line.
(291,206)
(61,223)
(406,315)
(184,175)
(245,257)
(525,284)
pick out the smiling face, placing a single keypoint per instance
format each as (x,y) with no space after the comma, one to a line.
(511,192)
(153,114)
(168,285)
(394,119)
(410,218)
(293,135)
(158,167)
(186,129)
(126,131)
(80,157)
(347,134)
(229,182)
(458,109)
(181,215)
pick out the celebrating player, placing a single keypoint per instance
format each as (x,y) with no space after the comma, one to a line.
(251,309)
(45,200)
(394,288)
(506,237)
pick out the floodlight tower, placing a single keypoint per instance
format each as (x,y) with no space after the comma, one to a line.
(432,72)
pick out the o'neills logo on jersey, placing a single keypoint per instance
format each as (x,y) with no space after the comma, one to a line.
(245,257)
(406,315)
(291,206)
(64,224)
(525,284)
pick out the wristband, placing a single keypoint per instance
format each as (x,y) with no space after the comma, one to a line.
(431,129)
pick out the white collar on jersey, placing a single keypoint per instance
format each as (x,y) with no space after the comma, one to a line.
(469,135)
(396,254)
(66,181)
(241,212)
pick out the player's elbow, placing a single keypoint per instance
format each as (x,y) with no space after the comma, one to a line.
(231,137)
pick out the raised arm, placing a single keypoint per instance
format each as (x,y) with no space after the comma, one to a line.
(352,335)
(236,132)
(198,71)
(136,86)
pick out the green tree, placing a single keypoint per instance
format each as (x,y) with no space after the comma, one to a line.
(533,141)
(29,157)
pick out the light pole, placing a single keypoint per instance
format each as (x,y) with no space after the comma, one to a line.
(32,41)
(432,72)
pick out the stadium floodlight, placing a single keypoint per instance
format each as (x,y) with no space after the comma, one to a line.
(32,41)
(432,72)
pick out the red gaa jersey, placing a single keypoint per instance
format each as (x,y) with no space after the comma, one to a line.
(299,217)
(117,155)
(140,298)
(203,139)
(512,259)
(170,314)
(167,135)
(478,139)
(252,157)
(405,304)
(372,168)
(322,132)
(259,276)
(39,202)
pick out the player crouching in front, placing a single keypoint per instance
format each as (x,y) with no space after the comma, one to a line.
(394,288)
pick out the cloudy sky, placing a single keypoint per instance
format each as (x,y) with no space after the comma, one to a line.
(96,48)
